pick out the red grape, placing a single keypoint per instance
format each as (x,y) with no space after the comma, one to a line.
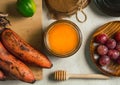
(113,54)
(108,48)
(118,60)
(118,47)
(102,50)
(111,43)
(101,38)
(117,37)
(104,60)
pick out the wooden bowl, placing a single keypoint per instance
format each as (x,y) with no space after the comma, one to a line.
(113,69)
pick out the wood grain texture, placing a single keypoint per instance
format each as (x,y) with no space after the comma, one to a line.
(30,29)
(62,75)
(110,29)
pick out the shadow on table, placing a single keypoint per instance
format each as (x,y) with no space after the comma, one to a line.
(51,77)
(88,57)
(11,8)
(96,10)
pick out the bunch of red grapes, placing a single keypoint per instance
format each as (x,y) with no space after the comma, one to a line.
(108,48)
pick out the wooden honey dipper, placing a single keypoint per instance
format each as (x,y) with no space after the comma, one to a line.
(61,75)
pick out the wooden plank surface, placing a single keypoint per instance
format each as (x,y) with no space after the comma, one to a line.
(30,29)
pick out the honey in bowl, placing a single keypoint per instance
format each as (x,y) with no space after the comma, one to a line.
(63,38)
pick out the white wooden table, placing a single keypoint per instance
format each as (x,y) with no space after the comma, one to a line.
(80,62)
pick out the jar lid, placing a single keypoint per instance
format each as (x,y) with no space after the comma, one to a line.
(63,8)
(110,7)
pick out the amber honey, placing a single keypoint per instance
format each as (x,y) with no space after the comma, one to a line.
(63,38)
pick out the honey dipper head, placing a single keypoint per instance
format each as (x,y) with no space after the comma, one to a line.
(60,75)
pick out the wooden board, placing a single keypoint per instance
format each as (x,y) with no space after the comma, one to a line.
(30,29)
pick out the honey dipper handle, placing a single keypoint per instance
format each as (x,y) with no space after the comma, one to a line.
(88,76)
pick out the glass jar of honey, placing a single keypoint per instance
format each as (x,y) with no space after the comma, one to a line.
(63,38)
